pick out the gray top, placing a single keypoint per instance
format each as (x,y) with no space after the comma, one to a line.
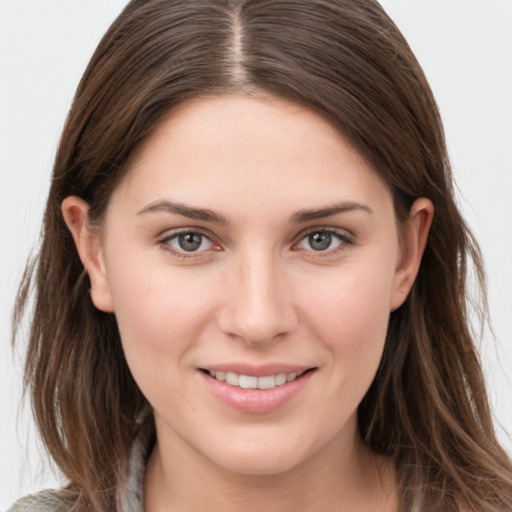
(130,495)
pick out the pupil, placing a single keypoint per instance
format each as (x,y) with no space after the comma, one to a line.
(320,241)
(190,241)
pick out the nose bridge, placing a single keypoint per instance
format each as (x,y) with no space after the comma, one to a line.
(258,307)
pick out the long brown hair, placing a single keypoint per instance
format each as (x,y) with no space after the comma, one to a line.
(427,408)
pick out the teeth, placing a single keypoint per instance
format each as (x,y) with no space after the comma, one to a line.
(281,378)
(221,376)
(251,382)
(268,382)
(246,382)
(231,378)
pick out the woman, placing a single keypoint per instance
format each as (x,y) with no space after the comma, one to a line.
(283,347)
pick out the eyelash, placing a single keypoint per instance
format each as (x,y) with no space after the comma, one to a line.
(165,240)
(342,237)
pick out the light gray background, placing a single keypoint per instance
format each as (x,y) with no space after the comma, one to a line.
(465,47)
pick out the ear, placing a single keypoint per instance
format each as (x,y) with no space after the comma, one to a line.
(88,244)
(413,242)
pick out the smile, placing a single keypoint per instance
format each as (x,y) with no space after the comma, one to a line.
(253,382)
(256,390)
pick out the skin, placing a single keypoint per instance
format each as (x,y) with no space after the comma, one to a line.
(256,291)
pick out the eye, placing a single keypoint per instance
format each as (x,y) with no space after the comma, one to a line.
(187,242)
(322,241)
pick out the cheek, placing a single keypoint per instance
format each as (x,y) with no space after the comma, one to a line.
(160,319)
(350,315)
(354,303)
(158,311)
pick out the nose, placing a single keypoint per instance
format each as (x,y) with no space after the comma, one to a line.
(259,301)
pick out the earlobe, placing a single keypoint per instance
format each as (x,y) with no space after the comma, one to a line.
(87,241)
(413,242)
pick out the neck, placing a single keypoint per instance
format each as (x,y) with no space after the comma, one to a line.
(345,476)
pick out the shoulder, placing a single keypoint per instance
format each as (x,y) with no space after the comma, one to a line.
(45,501)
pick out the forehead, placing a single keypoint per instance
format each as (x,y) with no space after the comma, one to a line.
(223,148)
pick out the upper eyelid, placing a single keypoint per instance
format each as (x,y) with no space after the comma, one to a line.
(169,234)
(343,236)
(166,236)
(164,243)
(344,233)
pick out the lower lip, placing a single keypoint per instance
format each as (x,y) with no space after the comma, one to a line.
(256,401)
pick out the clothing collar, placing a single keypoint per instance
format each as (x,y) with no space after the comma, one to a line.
(131,498)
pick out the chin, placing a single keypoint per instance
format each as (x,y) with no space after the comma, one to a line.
(258,465)
(260,458)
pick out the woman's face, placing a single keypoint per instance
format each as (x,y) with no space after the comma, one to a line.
(251,246)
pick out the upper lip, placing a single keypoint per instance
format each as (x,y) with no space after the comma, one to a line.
(257,370)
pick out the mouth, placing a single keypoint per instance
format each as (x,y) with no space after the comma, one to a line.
(254,382)
(256,390)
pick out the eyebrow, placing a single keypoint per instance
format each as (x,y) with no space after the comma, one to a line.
(320,213)
(185,211)
(207,215)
